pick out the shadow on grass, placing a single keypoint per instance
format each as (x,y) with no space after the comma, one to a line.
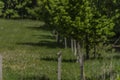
(43,77)
(48,44)
(113,56)
(42,27)
(44,36)
(55,60)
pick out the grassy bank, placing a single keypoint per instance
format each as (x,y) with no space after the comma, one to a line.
(29,53)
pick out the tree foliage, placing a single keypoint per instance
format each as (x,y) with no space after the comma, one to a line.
(21,9)
(81,20)
(1,7)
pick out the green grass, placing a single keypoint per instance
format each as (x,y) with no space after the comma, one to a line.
(30,53)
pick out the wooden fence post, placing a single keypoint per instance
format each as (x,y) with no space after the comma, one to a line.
(0,67)
(59,64)
(81,61)
(112,75)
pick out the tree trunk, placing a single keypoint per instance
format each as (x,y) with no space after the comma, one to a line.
(87,47)
(58,38)
(72,45)
(94,44)
(81,62)
(94,51)
(65,42)
(87,52)
(75,49)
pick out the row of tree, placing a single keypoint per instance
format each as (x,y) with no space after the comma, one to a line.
(88,22)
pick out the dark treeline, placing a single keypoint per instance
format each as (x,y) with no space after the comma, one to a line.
(19,9)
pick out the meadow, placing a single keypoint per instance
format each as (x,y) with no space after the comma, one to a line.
(29,52)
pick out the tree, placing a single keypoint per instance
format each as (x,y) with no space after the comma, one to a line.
(74,17)
(1,6)
(117,18)
(21,9)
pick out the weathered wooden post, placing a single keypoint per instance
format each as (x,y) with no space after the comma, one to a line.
(111,71)
(0,67)
(59,64)
(81,62)
(104,72)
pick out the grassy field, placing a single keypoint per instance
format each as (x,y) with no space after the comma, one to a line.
(30,53)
